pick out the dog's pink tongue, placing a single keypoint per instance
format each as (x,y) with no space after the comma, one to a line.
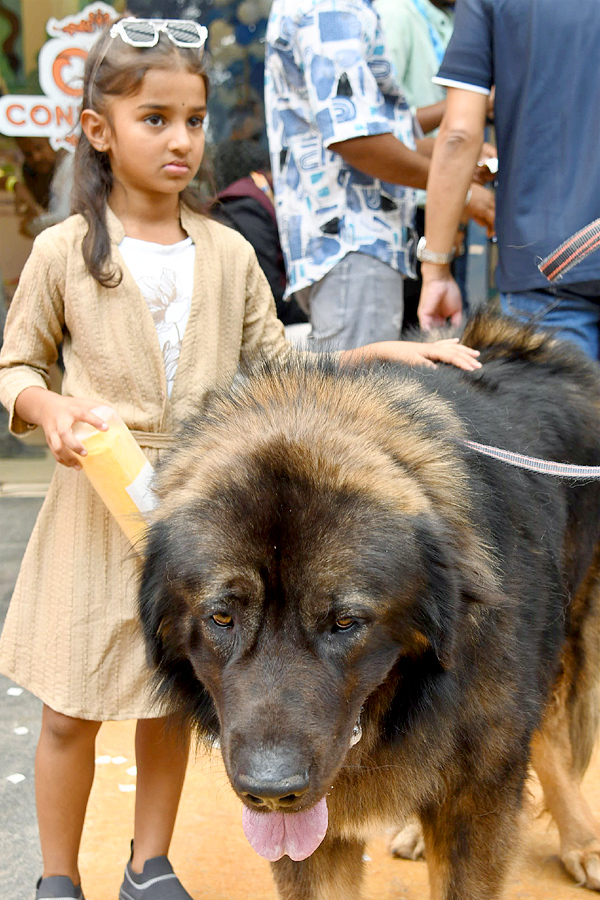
(276,834)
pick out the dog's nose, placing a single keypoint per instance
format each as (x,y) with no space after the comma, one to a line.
(272,776)
(274,792)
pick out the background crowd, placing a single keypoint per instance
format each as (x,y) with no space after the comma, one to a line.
(341,178)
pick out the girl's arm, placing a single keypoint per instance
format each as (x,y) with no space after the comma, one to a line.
(416,354)
(34,327)
(34,330)
(264,334)
(57,415)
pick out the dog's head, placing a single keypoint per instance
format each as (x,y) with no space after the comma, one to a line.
(287,576)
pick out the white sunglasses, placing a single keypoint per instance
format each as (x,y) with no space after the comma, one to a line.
(146,32)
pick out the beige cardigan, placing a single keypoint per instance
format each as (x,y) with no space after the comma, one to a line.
(71,635)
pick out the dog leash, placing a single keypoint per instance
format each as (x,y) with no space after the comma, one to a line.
(571,252)
(543,466)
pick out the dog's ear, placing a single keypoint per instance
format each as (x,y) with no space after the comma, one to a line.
(172,559)
(154,596)
(454,578)
(162,615)
(439,601)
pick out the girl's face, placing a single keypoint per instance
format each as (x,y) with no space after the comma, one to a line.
(155,137)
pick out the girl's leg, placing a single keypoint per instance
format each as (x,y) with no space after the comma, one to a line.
(161,755)
(64,771)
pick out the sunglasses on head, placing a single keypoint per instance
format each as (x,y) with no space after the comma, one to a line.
(146,32)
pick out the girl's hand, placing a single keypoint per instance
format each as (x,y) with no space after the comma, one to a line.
(449,351)
(57,415)
(414,353)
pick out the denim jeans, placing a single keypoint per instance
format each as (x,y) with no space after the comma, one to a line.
(572,312)
(360,301)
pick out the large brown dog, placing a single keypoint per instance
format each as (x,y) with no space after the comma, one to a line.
(378,621)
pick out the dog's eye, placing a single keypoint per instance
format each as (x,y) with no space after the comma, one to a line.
(222,619)
(344,623)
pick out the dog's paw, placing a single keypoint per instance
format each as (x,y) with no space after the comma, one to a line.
(408,843)
(584,866)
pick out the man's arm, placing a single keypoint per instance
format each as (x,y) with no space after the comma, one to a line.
(425,146)
(429,117)
(454,158)
(385,157)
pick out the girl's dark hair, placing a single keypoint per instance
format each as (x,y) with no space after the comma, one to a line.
(115,69)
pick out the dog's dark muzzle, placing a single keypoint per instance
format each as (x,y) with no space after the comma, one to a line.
(274,778)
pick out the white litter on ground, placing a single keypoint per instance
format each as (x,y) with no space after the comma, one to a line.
(118,760)
(16,778)
(102,760)
(127,788)
(14,692)
(20,729)
(132,771)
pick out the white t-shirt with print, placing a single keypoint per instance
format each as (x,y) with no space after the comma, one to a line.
(165,276)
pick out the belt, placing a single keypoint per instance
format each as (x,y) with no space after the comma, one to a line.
(156,440)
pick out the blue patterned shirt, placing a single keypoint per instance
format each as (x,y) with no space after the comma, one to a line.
(329,78)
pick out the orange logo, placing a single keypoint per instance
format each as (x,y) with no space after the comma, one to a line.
(63,59)
(94,22)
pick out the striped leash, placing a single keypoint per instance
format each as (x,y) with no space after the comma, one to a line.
(571,252)
(543,466)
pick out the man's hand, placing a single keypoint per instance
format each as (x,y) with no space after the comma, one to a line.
(486,170)
(482,208)
(440,298)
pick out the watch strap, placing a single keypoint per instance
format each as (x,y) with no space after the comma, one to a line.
(429,256)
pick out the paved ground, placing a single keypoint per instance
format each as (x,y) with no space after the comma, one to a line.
(209,850)
(19,851)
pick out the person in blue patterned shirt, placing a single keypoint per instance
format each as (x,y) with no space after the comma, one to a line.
(344,158)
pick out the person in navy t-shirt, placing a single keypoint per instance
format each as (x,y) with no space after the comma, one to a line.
(542,57)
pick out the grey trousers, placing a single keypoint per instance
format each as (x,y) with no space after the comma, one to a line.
(360,301)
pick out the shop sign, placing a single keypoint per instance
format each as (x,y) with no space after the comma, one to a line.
(54,113)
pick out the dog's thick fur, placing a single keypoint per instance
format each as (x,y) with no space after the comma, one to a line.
(326,549)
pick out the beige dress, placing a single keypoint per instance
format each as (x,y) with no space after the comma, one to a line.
(71,635)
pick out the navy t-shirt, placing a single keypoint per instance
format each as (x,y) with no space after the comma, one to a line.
(543,56)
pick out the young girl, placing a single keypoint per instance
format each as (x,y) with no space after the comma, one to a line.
(153,303)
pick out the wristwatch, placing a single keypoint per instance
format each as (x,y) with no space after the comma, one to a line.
(428,256)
